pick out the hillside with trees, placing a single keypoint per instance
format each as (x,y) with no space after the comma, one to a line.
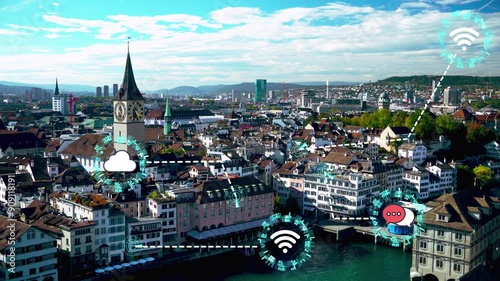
(451,80)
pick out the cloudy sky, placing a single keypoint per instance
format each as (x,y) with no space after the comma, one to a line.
(232,41)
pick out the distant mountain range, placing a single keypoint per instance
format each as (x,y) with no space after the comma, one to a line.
(248,87)
(7,87)
(15,88)
(449,80)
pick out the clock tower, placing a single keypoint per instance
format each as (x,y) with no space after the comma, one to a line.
(128,109)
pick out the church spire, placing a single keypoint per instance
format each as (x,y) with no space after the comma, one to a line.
(167,126)
(56,91)
(128,89)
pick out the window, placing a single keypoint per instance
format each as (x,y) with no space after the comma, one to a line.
(422,260)
(77,241)
(457,252)
(440,233)
(457,267)
(440,248)
(31,234)
(77,251)
(423,245)
(89,248)
(439,264)
(458,236)
(32,271)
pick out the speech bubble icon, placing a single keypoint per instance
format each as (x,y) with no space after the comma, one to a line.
(408,219)
(393,213)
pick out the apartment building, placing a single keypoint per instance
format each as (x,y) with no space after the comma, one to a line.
(461,232)
(413,151)
(164,207)
(109,220)
(206,212)
(75,244)
(339,193)
(34,256)
(148,230)
(288,182)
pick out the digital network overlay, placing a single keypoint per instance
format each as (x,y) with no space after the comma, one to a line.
(286,242)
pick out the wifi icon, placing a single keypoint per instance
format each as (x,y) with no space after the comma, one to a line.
(464,36)
(286,241)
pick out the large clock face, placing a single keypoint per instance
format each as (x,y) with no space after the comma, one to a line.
(120,111)
(135,111)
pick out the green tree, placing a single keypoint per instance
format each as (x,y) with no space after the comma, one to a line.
(478,133)
(382,118)
(445,125)
(424,128)
(484,174)
(399,119)
(366,120)
(278,206)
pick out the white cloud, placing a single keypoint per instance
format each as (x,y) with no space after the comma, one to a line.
(455,2)
(235,15)
(421,5)
(11,32)
(288,45)
(120,162)
(55,4)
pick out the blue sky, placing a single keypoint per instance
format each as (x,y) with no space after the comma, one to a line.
(232,41)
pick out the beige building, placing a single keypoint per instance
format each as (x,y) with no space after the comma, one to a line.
(461,231)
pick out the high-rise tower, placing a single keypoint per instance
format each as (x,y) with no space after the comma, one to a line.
(260,90)
(327,90)
(167,126)
(128,105)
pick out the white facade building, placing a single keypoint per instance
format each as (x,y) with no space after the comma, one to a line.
(415,152)
(342,193)
(34,257)
(166,209)
(109,229)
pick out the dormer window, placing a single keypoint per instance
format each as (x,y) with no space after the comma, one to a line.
(443,218)
(474,212)
(210,194)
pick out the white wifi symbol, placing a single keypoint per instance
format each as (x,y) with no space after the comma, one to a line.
(464,37)
(285,241)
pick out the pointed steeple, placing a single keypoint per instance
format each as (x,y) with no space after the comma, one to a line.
(56,91)
(167,126)
(128,89)
(167,108)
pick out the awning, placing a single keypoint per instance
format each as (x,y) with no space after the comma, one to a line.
(225,230)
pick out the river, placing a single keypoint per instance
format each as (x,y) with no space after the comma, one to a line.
(335,262)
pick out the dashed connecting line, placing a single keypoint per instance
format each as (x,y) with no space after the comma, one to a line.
(185,162)
(432,96)
(351,219)
(200,246)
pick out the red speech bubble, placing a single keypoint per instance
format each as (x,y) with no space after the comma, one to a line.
(393,213)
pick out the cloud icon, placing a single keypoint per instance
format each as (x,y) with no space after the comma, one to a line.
(120,162)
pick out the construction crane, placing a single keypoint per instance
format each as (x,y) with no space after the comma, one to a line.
(71,101)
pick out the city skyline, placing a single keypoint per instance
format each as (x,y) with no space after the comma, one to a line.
(216,43)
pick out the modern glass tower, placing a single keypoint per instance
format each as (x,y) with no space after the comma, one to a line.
(260,90)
